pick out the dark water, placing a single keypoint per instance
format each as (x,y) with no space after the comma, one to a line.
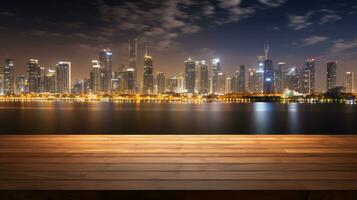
(117,118)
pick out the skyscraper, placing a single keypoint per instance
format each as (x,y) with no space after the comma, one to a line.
(255,81)
(216,69)
(130,81)
(95,77)
(20,85)
(50,81)
(292,79)
(9,77)
(268,84)
(33,76)
(161,82)
(308,84)
(221,83)
(331,75)
(172,84)
(133,53)
(241,80)
(190,75)
(350,82)
(105,62)
(63,77)
(203,80)
(279,77)
(148,87)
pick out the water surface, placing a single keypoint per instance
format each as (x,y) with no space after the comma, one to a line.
(170,118)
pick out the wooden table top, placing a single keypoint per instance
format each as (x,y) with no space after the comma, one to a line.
(178,162)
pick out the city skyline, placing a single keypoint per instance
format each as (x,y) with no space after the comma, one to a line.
(296,31)
(198,77)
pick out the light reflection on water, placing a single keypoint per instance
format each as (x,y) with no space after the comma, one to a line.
(211,118)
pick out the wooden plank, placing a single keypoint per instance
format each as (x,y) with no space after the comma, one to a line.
(115,175)
(227,162)
(178,185)
(179,167)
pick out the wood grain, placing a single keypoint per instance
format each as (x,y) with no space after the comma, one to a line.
(176,162)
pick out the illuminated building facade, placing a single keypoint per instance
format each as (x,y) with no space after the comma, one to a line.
(190,76)
(351,81)
(268,77)
(331,75)
(148,87)
(63,77)
(33,76)
(133,54)
(216,70)
(308,84)
(9,77)
(50,81)
(241,80)
(95,77)
(203,78)
(161,82)
(105,62)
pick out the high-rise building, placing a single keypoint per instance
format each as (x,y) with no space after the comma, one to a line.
(161,84)
(1,83)
(50,81)
(268,84)
(228,85)
(331,75)
(9,77)
(292,79)
(78,87)
(241,80)
(20,85)
(130,83)
(350,82)
(105,62)
(172,84)
(203,80)
(234,82)
(190,76)
(308,84)
(33,76)
(216,70)
(63,77)
(95,77)
(279,77)
(133,53)
(148,86)
(180,83)
(255,81)
(221,83)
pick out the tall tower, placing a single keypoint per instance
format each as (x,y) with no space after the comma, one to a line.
(9,76)
(203,80)
(148,87)
(133,53)
(241,80)
(95,77)
(216,70)
(331,75)
(266,51)
(308,84)
(63,77)
(105,62)
(161,82)
(268,76)
(350,82)
(190,75)
(33,76)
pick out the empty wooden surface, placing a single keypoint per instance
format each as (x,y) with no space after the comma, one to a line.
(178,162)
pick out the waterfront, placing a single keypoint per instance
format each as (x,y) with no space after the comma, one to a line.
(61,117)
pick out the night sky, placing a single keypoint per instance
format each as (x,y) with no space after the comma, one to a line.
(233,30)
